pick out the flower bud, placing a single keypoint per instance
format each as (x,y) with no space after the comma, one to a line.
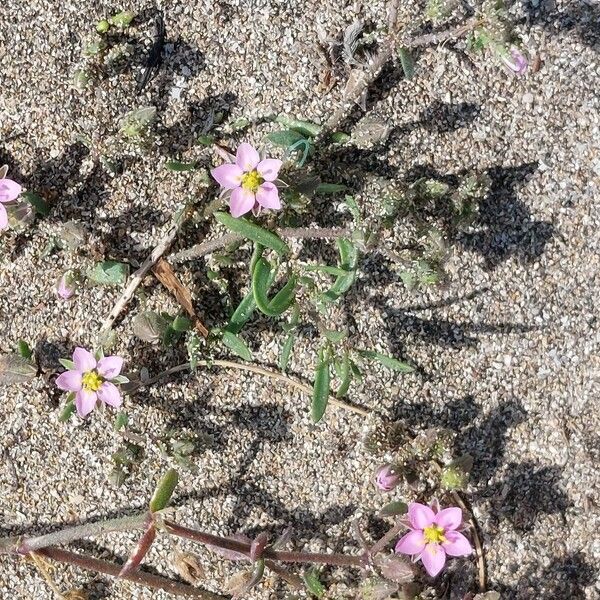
(102,26)
(387,477)
(66,285)
(514,60)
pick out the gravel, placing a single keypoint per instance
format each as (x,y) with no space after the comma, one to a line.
(507,347)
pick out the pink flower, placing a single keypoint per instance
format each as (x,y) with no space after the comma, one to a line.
(514,60)
(250,181)
(66,285)
(91,381)
(387,478)
(433,536)
(9,191)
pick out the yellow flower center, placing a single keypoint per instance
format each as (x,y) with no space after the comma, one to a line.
(251,181)
(434,534)
(91,381)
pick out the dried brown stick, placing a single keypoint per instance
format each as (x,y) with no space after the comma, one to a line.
(478,545)
(136,279)
(389,47)
(163,271)
(240,366)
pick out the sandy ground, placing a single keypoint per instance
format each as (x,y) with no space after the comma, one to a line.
(507,348)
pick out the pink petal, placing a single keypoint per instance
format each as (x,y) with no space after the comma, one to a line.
(247,157)
(69,381)
(110,366)
(267,196)
(412,543)
(420,515)
(269,168)
(433,559)
(228,176)
(3,217)
(85,402)
(241,202)
(84,360)
(109,394)
(457,544)
(9,190)
(449,518)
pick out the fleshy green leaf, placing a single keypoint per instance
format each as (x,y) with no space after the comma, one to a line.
(24,350)
(286,351)
(241,314)
(344,372)
(335,336)
(150,326)
(253,232)
(261,282)
(394,508)
(179,167)
(109,272)
(16,369)
(236,344)
(39,204)
(306,128)
(321,387)
(68,410)
(164,490)
(313,583)
(181,323)
(67,364)
(121,420)
(330,188)
(285,139)
(407,62)
(387,361)
(348,261)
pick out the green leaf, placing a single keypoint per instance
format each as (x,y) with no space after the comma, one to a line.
(242,313)
(286,351)
(306,128)
(407,62)
(313,583)
(345,375)
(179,167)
(39,204)
(150,326)
(109,272)
(285,139)
(68,410)
(24,350)
(261,282)
(321,385)
(122,19)
(206,140)
(348,261)
(136,122)
(164,490)
(121,420)
(387,361)
(284,298)
(253,232)
(339,137)
(394,508)
(330,188)
(236,344)
(67,364)
(16,369)
(181,323)
(335,336)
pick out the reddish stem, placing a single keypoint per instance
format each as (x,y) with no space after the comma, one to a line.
(342,560)
(108,568)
